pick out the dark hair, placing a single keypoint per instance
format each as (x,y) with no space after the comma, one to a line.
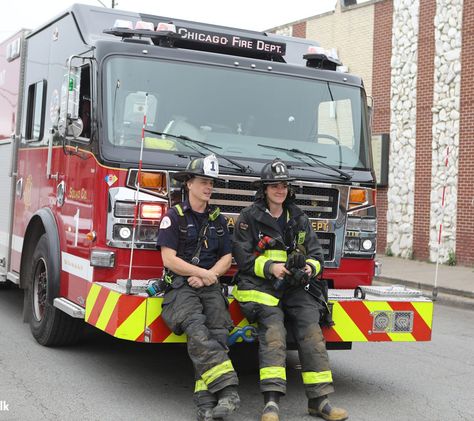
(262,188)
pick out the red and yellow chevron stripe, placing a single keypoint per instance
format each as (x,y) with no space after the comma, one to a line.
(354,321)
(138,318)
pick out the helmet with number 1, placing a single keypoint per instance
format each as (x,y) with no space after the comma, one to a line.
(275,172)
(205,167)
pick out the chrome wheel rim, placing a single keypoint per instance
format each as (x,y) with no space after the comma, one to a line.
(39,288)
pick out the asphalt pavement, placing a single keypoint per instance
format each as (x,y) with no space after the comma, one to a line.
(454,284)
(104,378)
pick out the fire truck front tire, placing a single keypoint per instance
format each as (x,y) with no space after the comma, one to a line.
(49,325)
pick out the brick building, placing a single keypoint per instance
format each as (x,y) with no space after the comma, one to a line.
(415,59)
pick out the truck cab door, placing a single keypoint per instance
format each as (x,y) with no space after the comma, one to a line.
(75,190)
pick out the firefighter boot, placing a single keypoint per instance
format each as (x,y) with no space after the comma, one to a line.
(229,401)
(271,410)
(320,407)
(204,413)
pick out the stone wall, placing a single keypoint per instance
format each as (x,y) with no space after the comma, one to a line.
(446,112)
(402,127)
(424,125)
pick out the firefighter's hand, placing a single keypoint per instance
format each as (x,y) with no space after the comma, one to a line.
(209,277)
(278,270)
(195,282)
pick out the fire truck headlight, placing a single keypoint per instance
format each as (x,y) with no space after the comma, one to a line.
(367,245)
(122,232)
(125,233)
(103,258)
(352,244)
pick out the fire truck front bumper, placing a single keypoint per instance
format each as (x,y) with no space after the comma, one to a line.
(377,317)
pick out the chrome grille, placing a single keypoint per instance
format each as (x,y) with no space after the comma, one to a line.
(326,239)
(316,202)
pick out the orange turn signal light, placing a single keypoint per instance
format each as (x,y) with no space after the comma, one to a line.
(357,197)
(155,182)
(152,180)
(91,236)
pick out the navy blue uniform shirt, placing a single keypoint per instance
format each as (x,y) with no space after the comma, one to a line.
(168,235)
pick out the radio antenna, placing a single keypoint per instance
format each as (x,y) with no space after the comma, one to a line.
(135,214)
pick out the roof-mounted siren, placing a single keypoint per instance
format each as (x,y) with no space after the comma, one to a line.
(144,32)
(165,34)
(122,24)
(166,27)
(139,33)
(320,58)
(141,25)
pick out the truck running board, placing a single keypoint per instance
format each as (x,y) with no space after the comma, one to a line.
(69,308)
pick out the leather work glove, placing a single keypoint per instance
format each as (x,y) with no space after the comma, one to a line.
(295,261)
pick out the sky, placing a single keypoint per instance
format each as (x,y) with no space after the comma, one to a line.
(245,14)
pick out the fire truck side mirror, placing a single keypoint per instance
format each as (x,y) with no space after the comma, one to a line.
(75,128)
(71,128)
(68,123)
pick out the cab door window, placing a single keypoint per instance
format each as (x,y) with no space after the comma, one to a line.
(35,111)
(85,105)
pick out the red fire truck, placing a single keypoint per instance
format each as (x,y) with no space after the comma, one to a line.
(74,96)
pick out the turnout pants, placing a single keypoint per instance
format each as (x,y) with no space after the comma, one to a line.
(203,315)
(302,315)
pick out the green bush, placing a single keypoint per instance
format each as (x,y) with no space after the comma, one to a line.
(451,258)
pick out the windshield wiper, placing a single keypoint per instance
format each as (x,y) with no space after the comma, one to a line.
(312,169)
(184,139)
(311,156)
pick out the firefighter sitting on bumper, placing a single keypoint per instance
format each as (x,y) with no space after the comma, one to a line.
(196,250)
(277,253)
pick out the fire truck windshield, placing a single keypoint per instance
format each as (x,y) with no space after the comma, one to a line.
(238,110)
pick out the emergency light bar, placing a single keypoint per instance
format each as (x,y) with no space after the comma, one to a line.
(170,35)
(142,25)
(320,58)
